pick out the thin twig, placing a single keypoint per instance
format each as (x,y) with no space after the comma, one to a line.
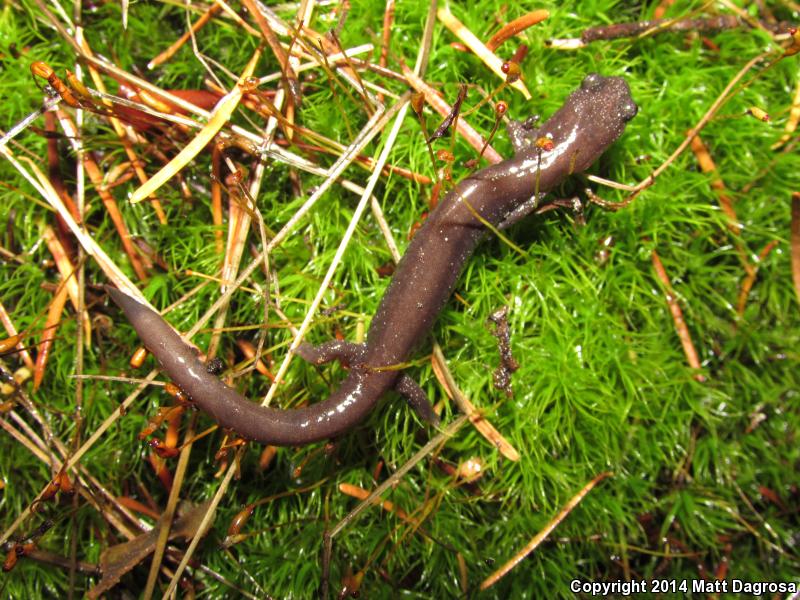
(542,535)
(720,101)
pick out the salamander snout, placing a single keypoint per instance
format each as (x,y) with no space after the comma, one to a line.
(613,92)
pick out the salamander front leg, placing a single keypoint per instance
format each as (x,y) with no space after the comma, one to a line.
(520,212)
(522,134)
(347,353)
(417,399)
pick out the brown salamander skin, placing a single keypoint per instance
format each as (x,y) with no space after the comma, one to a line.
(590,120)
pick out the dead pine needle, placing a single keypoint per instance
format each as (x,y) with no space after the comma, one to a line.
(68,274)
(387,505)
(707,165)
(795,243)
(49,334)
(95,173)
(14,336)
(196,26)
(677,317)
(386,36)
(750,278)
(515,27)
(542,535)
(476,417)
(791,122)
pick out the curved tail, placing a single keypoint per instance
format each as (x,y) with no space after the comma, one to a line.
(342,410)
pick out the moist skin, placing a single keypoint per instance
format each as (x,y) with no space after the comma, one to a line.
(590,120)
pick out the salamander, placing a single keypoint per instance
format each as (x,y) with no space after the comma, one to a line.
(590,120)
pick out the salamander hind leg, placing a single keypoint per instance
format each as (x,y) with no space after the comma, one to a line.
(417,399)
(352,355)
(347,353)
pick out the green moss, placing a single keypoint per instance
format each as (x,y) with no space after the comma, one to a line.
(603,383)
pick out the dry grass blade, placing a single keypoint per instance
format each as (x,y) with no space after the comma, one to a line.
(292,84)
(219,117)
(242,205)
(91,247)
(725,201)
(707,166)
(23,124)
(96,176)
(386,34)
(168,527)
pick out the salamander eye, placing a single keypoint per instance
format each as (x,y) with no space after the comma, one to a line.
(591,81)
(628,110)
(215,366)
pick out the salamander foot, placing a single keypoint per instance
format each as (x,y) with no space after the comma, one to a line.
(352,355)
(417,399)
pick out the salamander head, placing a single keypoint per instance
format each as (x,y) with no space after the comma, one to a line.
(591,119)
